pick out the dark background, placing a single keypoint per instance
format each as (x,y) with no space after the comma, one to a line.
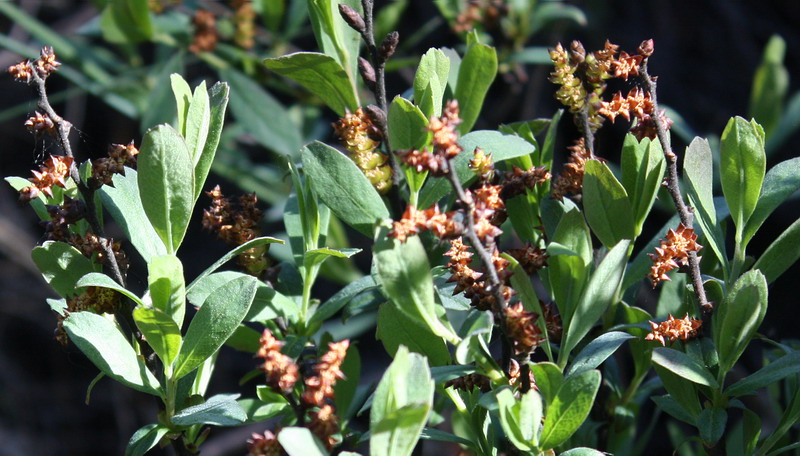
(706,55)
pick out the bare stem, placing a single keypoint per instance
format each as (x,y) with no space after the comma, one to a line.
(586,129)
(673,185)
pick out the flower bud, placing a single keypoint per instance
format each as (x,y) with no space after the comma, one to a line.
(646,48)
(353,19)
(388,46)
(376,115)
(367,72)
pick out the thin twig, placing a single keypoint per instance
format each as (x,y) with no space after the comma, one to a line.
(673,185)
(586,129)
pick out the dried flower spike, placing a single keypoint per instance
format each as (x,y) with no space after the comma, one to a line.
(361,137)
(265,444)
(522,328)
(388,46)
(205,32)
(282,372)
(674,329)
(53,172)
(319,387)
(570,181)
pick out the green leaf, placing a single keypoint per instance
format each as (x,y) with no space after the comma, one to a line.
(711,423)
(403,272)
(396,328)
(315,257)
(475,76)
(61,265)
(400,406)
(683,366)
(770,85)
(160,331)
(606,204)
(668,404)
(219,410)
(167,286)
(262,115)
(597,351)
(773,372)
(502,147)
(429,433)
(699,170)
(781,182)
(568,267)
(643,166)
(218,99)
(166,184)
(582,451)
(126,21)
(569,408)
(738,317)
(598,295)
(338,182)
(431,76)
(98,279)
(214,323)
(230,255)
(125,205)
(145,438)
(781,254)
(183,98)
(321,74)
(103,343)
(788,420)
(299,441)
(521,427)
(333,35)
(406,125)
(742,168)
(341,298)
(198,119)
(548,379)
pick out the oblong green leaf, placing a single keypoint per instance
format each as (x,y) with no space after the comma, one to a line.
(742,167)
(230,255)
(219,410)
(160,331)
(214,323)
(145,438)
(597,297)
(781,254)
(699,172)
(406,125)
(103,343)
(321,74)
(683,366)
(773,372)
(597,351)
(475,75)
(511,417)
(569,408)
(126,21)
(606,205)
(582,451)
(167,286)
(431,76)
(395,328)
(61,265)
(198,119)
(738,317)
(770,85)
(183,98)
(218,99)
(338,182)
(124,204)
(711,424)
(166,184)
(781,182)
(548,379)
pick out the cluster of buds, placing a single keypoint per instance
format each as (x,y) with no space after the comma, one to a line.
(265,444)
(94,247)
(281,371)
(521,328)
(319,387)
(482,165)
(236,224)
(570,181)
(119,156)
(44,66)
(244,19)
(489,212)
(61,216)
(472,282)
(205,32)
(361,137)
(672,253)
(488,13)
(443,224)
(530,258)
(581,77)
(517,181)
(674,329)
(637,105)
(93,299)
(39,124)
(445,143)
(54,171)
